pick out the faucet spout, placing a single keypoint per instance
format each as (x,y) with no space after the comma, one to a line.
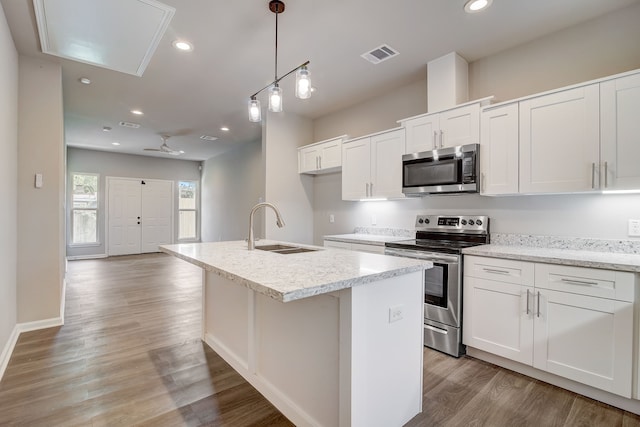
(279,221)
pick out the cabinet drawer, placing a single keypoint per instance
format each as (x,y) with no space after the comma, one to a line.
(617,285)
(334,244)
(500,270)
(375,249)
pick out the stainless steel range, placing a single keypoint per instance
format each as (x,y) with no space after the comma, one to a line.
(440,239)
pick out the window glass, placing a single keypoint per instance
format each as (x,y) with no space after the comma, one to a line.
(84,208)
(188,210)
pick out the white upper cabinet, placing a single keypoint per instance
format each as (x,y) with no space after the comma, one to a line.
(321,157)
(499,150)
(457,126)
(559,141)
(372,166)
(620,133)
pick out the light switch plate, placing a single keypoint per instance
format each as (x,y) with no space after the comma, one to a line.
(634,227)
(332,218)
(38,180)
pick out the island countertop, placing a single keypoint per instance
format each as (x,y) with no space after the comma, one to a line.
(293,276)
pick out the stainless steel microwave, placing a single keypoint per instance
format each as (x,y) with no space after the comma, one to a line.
(444,171)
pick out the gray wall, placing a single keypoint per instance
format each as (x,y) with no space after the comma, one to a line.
(593,49)
(231,184)
(41,215)
(124,166)
(8,184)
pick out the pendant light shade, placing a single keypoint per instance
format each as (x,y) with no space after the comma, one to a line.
(275,99)
(303,83)
(255,114)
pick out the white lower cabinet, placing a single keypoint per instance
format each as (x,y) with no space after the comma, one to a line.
(361,247)
(573,322)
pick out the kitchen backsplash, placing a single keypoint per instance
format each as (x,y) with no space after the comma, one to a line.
(574,243)
(382,231)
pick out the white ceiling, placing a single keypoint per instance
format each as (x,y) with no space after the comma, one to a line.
(186,95)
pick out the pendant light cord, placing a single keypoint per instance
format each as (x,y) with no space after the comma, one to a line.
(276,67)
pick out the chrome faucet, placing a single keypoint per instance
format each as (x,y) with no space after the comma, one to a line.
(279,221)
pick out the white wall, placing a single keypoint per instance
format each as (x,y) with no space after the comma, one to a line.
(597,48)
(292,193)
(125,166)
(8,183)
(40,210)
(232,183)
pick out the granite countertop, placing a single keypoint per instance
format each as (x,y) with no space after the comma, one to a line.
(572,257)
(293,276)
(368,239)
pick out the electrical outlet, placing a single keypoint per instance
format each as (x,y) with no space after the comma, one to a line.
(332,218)
(634,227)
(396,313)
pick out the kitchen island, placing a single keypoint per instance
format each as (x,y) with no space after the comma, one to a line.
(331,337)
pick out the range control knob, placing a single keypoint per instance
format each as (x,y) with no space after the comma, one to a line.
(421,221)
(478,222)
(426,220)
(470,222)
(463,222)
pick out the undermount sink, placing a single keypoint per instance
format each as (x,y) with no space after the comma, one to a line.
(284,249)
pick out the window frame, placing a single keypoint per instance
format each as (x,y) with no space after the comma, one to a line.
(72,209)
(196,211)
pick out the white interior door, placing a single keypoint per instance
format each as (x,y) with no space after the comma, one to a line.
(157,214)
(124,216)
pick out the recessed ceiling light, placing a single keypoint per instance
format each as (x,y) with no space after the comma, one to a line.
(84,81)
(137,112)
(115,143)
(106,128)
(182,45)
(181,152)
(224,129)
(473,6)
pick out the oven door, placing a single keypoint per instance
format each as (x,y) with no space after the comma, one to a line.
(442,290)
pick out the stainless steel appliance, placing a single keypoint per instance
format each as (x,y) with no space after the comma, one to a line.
(440,239)
(443,171)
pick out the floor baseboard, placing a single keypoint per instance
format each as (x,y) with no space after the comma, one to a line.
(8,350)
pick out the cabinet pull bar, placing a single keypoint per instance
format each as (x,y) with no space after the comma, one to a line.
(578,282)
(435,144)
(371,189)
(527,301)
(538,303)
(491,270)
(320,162)
(482,181)
(441,139)
(367,184)
(606,181)
(593,175)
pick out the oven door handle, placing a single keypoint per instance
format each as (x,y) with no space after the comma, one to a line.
(427,256)
(434,329)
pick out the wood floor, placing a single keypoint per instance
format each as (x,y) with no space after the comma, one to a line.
(130,354)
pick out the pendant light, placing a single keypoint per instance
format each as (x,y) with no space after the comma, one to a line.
(303,81)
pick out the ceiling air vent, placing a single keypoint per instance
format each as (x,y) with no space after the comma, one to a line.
(379,54)
(208,137)
(129,125)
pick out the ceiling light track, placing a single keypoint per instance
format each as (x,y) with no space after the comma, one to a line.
(303,81)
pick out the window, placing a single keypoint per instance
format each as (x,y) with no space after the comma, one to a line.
(84,209)
(187,210)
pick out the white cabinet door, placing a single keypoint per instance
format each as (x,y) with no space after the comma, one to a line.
(422,133)
(499,150)
(331,154)
(308,159)
(498,318)
(460,126)
(620,133)
(386,164)
(356,169)
(584,338)
(559,141)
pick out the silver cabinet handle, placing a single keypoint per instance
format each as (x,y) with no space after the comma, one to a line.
(367,184)
(606,181)
(320,161)
(482,180)
(593,175)
(579,282)
(317,167)
(491,270)
(371,189)
(538,303)
(441,139)
(527,301)
(435,144)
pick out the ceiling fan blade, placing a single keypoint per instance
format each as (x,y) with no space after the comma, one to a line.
(152,149)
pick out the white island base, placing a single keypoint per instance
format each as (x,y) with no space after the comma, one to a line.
(352,357)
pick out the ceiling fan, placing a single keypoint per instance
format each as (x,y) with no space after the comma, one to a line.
(164,148)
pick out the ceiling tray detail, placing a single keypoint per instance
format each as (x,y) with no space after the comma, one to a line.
(120,35)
